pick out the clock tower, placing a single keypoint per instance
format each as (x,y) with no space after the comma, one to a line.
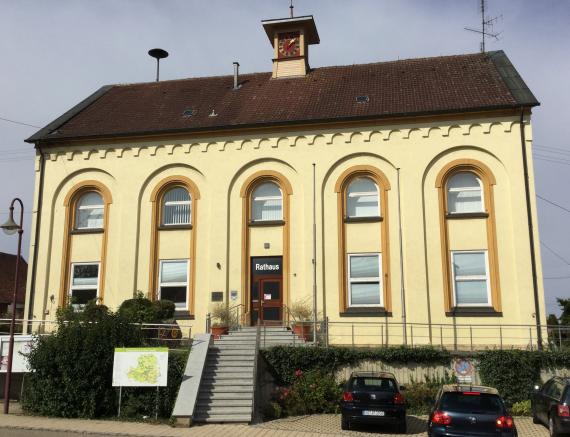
(291,38)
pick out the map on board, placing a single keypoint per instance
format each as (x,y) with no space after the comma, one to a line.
(140,367)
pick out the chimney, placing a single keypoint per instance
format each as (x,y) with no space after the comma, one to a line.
(236,75)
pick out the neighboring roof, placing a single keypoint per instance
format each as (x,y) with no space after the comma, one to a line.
(470,388)
(441,85)
(7,271)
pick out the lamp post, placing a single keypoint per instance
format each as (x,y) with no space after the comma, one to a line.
(10,228)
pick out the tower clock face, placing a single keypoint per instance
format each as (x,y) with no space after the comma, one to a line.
(289,44)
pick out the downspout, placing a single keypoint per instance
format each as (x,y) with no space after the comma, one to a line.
(36,238)
(530,232)
(402,284)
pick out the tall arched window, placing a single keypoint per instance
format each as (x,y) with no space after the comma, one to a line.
(469,242)
(266,203)
(362,199)
(176,207)
(364,288)
(89,210)
(464,193)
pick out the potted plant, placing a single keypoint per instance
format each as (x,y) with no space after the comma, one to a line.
(221,316)
(302,314)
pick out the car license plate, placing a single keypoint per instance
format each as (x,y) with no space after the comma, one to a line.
(373,413)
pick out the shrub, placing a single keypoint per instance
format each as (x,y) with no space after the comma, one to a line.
(284,360)
(420,396)
(71,370)
(521,408)
(512,372)
(310,393)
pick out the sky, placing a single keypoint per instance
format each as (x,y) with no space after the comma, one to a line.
(57,52)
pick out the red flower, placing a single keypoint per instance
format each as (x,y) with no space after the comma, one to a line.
(298,373)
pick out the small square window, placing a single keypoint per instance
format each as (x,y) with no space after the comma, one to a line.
(470,278)
(84,285)
(364,284)
(173,282)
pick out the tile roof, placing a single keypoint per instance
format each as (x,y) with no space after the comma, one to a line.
(7,269)
(447,84)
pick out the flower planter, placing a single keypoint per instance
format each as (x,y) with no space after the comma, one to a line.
(218,331)
(303,330)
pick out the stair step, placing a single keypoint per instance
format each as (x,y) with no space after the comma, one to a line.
(214,396)
(219,376)
(231,361)
(206,389)
(199,411)
(222,418)
(204,403)
(229,351)
(234,381)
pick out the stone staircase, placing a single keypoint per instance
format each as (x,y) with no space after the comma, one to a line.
(228,382)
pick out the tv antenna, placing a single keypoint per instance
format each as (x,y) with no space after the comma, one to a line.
(291,9)
(486,26)
(158,54)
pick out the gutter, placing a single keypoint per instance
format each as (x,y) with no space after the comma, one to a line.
(530,233)
(36,236)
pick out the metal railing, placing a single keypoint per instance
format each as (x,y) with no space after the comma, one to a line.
(456,337)
(171,335)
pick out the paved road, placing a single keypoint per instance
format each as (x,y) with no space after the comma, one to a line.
(323,425)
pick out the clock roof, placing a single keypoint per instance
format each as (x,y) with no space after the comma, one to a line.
(306,23)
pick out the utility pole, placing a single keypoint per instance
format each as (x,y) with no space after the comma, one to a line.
(486,26)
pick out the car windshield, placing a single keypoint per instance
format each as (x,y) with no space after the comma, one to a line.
(370,383)
(471,402)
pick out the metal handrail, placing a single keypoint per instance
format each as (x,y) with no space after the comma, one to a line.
(255,378)
(239,310)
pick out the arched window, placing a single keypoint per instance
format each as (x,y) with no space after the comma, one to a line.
(176,207)
(267,202)
(89,211)
(362,198)
(464,193)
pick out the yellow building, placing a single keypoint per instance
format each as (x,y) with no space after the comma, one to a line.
(411,180)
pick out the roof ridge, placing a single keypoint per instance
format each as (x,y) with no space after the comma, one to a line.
(326,67)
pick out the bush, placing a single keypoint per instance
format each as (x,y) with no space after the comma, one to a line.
(512,372)
(420,396)
(285,360)
(310,393)
(521,408)
(71,370)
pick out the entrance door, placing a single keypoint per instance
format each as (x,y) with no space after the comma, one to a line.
(266,291)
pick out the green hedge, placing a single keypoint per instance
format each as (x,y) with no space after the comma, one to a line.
(71,370)
(285,360)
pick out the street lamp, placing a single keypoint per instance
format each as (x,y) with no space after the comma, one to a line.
(10,228)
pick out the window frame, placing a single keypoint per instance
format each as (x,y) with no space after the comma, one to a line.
(183,202)
(487,278)
(252,201)
(174,284)
(464,189)
(83,287)
(77,207)
(361,193)
(350,281)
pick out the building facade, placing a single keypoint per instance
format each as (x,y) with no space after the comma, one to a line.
(406,178)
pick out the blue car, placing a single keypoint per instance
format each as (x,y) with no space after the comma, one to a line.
(474,411)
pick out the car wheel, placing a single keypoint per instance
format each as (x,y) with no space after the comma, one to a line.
(344,423)
(535,418)
(551,428)
(403,427)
